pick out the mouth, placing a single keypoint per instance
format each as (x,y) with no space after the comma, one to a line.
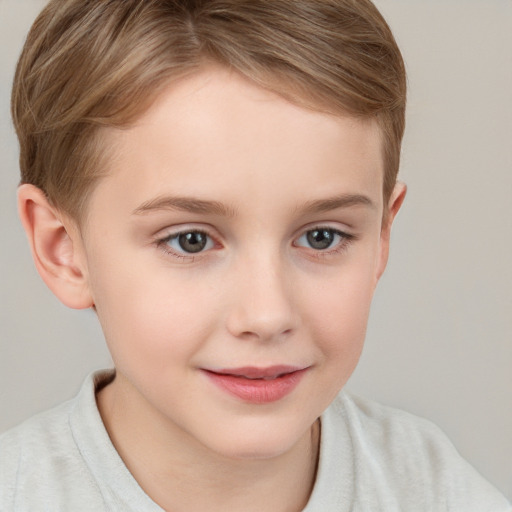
(254,373)
(258,385)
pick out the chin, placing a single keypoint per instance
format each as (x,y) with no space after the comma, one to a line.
(261,442)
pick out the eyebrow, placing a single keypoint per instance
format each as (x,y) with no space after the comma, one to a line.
(201,206)
(341,201)
(185,204)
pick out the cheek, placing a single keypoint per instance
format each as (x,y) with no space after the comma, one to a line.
(340,313)
(148,317)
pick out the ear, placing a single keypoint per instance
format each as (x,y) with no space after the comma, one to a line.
(395,202)
(56,248)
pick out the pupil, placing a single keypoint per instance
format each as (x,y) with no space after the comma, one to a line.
(192,242)
(320,238)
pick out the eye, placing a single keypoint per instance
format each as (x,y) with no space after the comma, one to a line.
(321,238)
(189,242)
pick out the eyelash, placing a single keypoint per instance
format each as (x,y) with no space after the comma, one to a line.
(346,240)
(163,244)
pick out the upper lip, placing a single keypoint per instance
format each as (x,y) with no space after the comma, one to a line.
(254,372)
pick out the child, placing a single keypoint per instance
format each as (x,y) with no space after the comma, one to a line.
(217,179)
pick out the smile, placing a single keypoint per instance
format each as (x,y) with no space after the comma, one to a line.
(257,385)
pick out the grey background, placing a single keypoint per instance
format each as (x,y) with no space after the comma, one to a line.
(439,341)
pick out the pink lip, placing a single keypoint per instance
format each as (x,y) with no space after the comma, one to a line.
(258,385)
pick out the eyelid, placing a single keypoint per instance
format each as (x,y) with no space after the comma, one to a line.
(185,227)
(170,233)
(346,240)
(342,229)
(161,238)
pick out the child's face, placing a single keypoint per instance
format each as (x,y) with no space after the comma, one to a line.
(238,234)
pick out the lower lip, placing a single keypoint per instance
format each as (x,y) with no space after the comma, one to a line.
(257,391)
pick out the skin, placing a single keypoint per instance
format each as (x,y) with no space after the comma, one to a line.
(258,294)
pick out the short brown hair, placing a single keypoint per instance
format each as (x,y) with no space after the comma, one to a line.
(89,64)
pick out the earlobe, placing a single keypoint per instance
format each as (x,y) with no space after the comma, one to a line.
(54,247)
(395,202)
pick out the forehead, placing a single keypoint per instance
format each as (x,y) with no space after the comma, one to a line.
(217,135)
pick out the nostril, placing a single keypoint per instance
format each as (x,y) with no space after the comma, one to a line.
(264,316)
(263,334)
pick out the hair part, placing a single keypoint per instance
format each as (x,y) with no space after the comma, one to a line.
(101,63)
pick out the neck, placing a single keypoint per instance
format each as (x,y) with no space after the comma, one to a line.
(180,474)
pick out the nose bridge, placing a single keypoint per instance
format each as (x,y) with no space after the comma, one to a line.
(263,304)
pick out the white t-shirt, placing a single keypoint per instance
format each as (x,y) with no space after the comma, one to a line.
(372,458)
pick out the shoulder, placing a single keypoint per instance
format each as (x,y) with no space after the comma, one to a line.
(40,459)
(31,450)
(409,460)
(388,427)
(45,429)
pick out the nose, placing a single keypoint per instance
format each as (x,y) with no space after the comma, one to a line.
(263,306)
